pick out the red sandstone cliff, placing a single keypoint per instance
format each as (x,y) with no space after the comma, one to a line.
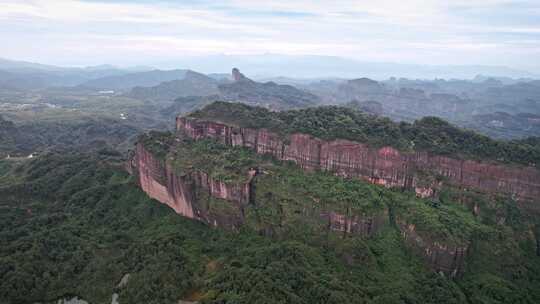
(182,192)
(385,166)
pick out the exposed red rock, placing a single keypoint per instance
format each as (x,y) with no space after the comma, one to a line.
(236,75)
(180,192)
(385,166)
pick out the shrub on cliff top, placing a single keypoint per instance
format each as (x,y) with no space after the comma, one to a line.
(429,134)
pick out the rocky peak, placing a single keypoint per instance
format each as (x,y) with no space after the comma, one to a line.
(237,76)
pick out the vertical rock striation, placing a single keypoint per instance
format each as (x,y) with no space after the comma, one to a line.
(418,171)
(194,193)
(384,166)
(188,194)
(182,192)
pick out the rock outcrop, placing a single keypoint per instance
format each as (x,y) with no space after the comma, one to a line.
(419,171)
(269,95)
(384,166)
(187,194)
(237,76)
(183,192)
(193,193)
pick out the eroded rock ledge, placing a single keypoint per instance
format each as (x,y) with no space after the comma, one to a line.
(385,166)
(188,193)
(182,192)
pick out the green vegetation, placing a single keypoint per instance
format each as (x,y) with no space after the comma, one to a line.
(221,162)
(75,224)
(62,133)
(429,134)
(294,191)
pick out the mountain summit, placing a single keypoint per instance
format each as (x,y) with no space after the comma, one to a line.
(269,94)
(237,76)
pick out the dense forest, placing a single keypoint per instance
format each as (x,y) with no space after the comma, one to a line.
(76,224)
(430,134)
(64,134)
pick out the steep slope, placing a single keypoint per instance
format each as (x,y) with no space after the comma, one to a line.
(235,188)
(424,172)
(215,173)
(77,225)
(193,84)
(270,95)
(232,188)
(429,134)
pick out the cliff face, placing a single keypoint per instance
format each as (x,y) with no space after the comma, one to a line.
(189,195)
(364,226)
(443,257)
(194,194)
(419,171)
(183,192)
(385,166)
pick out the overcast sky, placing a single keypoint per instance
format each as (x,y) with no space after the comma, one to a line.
(75,32)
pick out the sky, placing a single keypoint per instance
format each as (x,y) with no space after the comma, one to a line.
(453,32)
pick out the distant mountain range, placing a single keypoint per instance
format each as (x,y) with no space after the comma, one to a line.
(274,65)
(128,81)
(27,75)
(191,84)
(240,88)
(278,68)
(269,94)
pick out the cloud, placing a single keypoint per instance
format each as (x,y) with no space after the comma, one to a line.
(422,31)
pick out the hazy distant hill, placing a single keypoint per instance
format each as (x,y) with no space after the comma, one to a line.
(270,95)
(307,66)
(242,89)
(193,84)
(131,80)
(28,75)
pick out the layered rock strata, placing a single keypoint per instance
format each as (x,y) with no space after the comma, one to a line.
(182,192)
(188,194)
(384,166)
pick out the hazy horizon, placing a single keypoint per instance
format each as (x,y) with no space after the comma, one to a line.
(128,33)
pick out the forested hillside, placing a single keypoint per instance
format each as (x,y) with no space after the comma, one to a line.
(75,225)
